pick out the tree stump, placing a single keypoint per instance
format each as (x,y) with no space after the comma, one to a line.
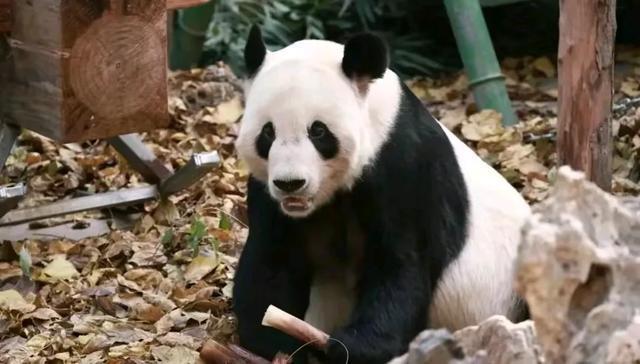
(86,69)
(585,87)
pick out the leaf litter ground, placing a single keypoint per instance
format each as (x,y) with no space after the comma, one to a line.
(155,292)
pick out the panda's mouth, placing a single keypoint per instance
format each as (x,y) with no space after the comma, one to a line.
(295,204)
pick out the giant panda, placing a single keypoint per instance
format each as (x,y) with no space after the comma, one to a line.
(367,217)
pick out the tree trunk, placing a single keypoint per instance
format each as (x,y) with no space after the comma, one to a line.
(585,91)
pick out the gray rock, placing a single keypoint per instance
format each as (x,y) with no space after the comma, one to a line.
(432,347)
(495,341)
(502,341)
(579,270)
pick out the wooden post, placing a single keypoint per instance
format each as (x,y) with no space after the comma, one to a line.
(83,70)
(585,91)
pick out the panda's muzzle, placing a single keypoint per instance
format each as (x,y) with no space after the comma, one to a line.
(291,194)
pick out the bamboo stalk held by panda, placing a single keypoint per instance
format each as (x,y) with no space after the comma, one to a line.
(295,327)
(213,352)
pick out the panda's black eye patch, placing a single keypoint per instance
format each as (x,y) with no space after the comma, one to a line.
(323,139)
(265,139)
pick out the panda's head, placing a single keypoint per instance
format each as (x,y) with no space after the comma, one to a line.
(306,127)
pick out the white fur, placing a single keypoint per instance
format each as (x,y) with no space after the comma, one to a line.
(301,83)
(479,283)
(331,300)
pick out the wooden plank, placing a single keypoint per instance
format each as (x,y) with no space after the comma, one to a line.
(585,87)
(87,69)
(5,16)
(181,4)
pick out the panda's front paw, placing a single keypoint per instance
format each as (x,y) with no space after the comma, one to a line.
(334,353)
(337,351)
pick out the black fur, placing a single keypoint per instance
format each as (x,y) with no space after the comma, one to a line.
(323,140)
(412,206)
(365,55)
(254,51)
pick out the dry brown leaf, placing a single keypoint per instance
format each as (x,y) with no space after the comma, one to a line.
(451,118)
(630,87)
(166,213)
(146,278)
(147,254)
(482,125)
(200,266)
(178,319)
(43,314)
(229,111)
(179,339)
(174,355)
(57,270)
(12,300)
(544,65)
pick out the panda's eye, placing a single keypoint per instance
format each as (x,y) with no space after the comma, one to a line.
(268,132)
(317,130)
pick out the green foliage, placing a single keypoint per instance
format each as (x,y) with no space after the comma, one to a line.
(285,21)
(418,31)
(25,262)
(196,235)
(167,239)
(225,222)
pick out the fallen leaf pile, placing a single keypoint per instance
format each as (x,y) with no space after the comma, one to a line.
(155,292)
(152,294)
(525,153)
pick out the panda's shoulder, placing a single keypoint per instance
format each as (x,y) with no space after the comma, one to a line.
(413,136)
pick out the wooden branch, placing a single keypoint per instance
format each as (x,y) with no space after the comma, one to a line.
(181,4)
(585,87)
(213,352)
(248,356)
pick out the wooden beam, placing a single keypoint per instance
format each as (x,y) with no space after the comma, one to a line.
(585,87)
(5,16)
(181,4)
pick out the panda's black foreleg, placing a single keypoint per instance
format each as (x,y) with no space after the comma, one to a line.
(257,287)
(268,273)
(390,312)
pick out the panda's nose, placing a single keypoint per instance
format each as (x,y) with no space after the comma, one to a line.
(289,185)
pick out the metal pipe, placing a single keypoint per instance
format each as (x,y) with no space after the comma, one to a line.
(479,58)
(188,35)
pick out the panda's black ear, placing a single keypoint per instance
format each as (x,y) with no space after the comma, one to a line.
(366,57)
(254,50)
